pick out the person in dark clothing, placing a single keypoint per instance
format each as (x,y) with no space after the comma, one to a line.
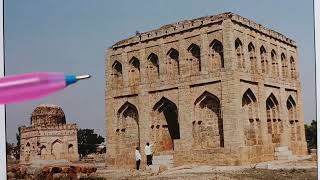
(148,152)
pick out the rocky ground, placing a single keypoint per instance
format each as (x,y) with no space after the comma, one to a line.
(297,169)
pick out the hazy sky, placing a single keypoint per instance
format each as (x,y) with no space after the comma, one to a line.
(72,36)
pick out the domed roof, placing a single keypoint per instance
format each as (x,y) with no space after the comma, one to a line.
(47,115)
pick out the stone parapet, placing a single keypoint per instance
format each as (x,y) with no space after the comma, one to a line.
(187,25)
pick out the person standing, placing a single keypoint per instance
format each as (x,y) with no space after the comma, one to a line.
(148,152)
(138,158)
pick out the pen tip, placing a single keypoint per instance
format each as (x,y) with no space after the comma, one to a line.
(83,77)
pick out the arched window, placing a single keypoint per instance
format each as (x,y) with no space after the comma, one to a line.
(264,60)
(117,69)
(284,65)
(172,64)
(293,68)
(274,62)
(208,123)
(193,59)
(252,57)
(153,71)
(253,131)
(116,74)
(134,71)
(70,148)
(293,120)
(216,59)
(274,123)
(239,53)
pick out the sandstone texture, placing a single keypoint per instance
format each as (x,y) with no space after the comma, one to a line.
(48,137)
(216,90)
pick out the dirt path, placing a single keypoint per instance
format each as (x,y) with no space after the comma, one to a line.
(280,170)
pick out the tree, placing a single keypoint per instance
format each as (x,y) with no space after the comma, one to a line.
(87,141)
(9,148)
(17,147)
(311,134)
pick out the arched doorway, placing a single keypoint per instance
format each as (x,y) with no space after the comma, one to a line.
(43,151)
(165,125)
(128,137)
(57,149)
(27,152)
(252,122)
(274,123)
(207,126)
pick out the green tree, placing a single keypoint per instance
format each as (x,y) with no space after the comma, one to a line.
(311,134)
(87,141)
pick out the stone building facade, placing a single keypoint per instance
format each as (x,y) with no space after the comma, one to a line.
(220,90)
(49,137)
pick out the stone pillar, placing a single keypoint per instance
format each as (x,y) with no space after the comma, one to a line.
(185,123)
(144,122)
(110,132)
(283,114)
(205,51)
(231,97)
(143,64)
(125,69)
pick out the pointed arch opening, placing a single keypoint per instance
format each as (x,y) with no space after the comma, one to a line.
(153,70)
(194,59)
(216,57)
(43,151)
(252,57)
(293,68)
(239,53)
(207,125)
(274,123)
(57,149)
(284,65)
(264,60)
(27,152)
(274,61)
(293,119)
(127,132)
(165,125)
(70,148)
(253,124)
(172,63)
(134,71)
(116,74)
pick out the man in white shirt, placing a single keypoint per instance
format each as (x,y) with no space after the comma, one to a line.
(148,152)
(138,158)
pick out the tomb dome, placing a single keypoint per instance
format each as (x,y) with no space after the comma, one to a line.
(47,115)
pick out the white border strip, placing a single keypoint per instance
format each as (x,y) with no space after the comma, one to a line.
(3,157)
(316,7)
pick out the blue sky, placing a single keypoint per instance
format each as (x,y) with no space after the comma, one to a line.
(72,36)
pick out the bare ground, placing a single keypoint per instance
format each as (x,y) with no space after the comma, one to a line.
(279,170)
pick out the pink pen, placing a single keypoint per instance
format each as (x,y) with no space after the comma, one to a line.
(34,85)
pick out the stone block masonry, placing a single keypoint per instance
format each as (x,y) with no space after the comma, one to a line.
(218,90)
(48,137)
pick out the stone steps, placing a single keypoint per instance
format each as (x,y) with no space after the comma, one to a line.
(283,153)
(161,161)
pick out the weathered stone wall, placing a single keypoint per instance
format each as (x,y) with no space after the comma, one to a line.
(219,90)
(43,141)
